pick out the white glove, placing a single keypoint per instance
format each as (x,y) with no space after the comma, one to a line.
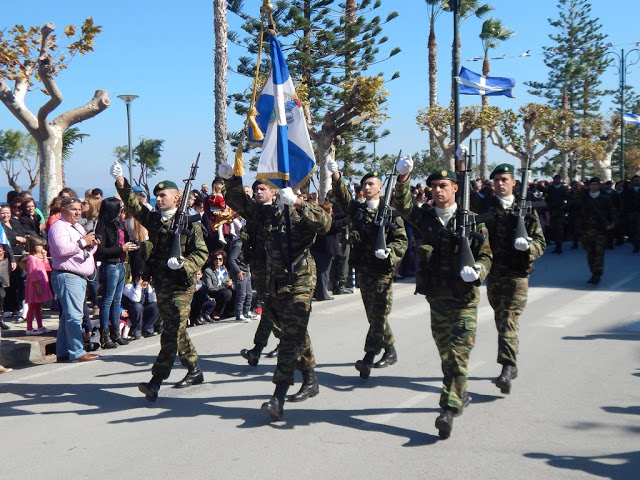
(287,196)
(332,166)
(116,170)
(174,264)
(470,274)
(521,244)
(225,170)
(405,165)
(461,153)
(382,253)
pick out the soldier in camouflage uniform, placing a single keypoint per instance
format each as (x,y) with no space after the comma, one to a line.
(452,292)
(288,300)
(173,281)
(254,249)
(508,280)
(374,268)
(631,206)
(598,218)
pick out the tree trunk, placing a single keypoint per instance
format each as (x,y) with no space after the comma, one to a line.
(432,47)
(220,87)
(50,167)
(326,149)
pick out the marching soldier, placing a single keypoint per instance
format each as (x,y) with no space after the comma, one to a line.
(631,203)
(452,293)
(557,197)
(374,268)
(173,280)
(598,218)
(508,280)
(288,300)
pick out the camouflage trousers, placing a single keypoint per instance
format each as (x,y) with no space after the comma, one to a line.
(291,310)
(453,325)
(174,306)
(266,325)
(508,297)
(595,243)
(377,295)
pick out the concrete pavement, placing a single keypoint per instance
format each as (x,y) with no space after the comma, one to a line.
(574,411)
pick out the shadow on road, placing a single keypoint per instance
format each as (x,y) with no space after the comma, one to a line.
(618,466)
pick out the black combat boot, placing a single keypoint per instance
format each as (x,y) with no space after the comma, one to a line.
(388,358)
(364,365)
(105,339)
(115,336)
(343,289)
(444,423)
(503,382)
(558,248)
(193,377)
(252,356)
(275,407)
(466,400)
(151,389)
(274,353)
(595,279)
(309,387)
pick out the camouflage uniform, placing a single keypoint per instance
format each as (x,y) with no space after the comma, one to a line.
(597,213)
(453,302)
(287,302)
(508,280)
(174,288)
(631,205)
(373,275)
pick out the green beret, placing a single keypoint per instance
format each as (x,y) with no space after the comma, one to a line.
(368,175)
(503,168)
(163,186)
(442,174)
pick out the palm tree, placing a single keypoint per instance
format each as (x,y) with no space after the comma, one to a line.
(434,7)
(220,27)
(466,9)
(493,32)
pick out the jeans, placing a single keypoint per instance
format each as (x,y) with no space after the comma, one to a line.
(244,295)
(70,290)
(112,280)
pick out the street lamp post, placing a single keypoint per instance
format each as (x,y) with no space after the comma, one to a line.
(622,69)
(127,100)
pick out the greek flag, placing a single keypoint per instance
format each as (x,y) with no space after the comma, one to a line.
(631,118)
(287,158)
(3,238)
(472,83)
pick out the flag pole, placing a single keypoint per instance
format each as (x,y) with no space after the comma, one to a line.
(268,9)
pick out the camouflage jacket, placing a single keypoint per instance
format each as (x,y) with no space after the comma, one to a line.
(270,230)
(439,273)
(364,232)
(192,245)
(596,213)
(507,260)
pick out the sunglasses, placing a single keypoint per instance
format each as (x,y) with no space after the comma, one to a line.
(219,258)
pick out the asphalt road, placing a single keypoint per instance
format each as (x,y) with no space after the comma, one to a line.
(574,411)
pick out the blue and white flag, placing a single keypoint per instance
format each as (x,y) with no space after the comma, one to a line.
(472,83)
(287,158)
(631,118)
(3,237)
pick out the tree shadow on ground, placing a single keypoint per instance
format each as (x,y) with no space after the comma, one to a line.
(617,466)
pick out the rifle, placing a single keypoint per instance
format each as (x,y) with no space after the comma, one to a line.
(523,208)
(465,221)
(384,216)
(180,221)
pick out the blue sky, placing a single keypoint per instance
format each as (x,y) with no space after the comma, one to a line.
(163,51)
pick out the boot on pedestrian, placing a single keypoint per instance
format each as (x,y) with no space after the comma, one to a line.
(252,356)
(105,339)
(503,382)
(364,366)
(389,357)
(151,389)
